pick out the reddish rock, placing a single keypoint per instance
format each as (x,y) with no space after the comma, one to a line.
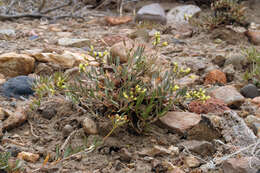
(254,36)
(180,121)
(211,105)
(215,76)
(118,20)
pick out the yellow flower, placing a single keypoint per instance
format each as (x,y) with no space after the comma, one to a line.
(176,87)
(165,43)
(125,95)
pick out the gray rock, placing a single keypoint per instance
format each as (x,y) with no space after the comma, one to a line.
(7,32)
(153,13)
(73,42)
(203,148)
(177,14)
(229,95)
(67,129)
(250,91)
(17,87)
(237,60)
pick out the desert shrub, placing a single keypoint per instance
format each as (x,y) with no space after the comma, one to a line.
(253,71)
(223,12)
(137,92)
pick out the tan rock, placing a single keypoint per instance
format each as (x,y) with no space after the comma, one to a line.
(13,64)
(191,161)
(14,118)
(2,114)
(66,59)
(89,126)
(29,157)
(123,48)
(180,121)
(254,36)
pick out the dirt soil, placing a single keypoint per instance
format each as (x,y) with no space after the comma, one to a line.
(121,151)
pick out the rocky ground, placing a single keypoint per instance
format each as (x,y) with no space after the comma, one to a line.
(221,135)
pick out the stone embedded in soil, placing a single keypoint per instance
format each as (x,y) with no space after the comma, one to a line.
(250,91)
(229,95)
(74,42)
(238,165)
(67,129)
(13,64)
(219,59)
(181,13)
(256,100)
(180,121)
(155,151)
(14,118)
(89,126)
(152,12)
(191,161)
(211,105)
(215,76)
(254,36)
(206,129)
(203,148)
(17,87)
(29,157)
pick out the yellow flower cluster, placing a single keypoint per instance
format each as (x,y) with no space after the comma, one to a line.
(119,119)
(82,67)
(133,95)
(61,83)
(181,70)
(198,95)
(97,54)
(157,41)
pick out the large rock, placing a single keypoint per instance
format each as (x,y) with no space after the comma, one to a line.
(180,122)
(17,87)
(13,64)
(229,95)
(66,60)
(177,14)
(89,126)
(152,12)
(238,165)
